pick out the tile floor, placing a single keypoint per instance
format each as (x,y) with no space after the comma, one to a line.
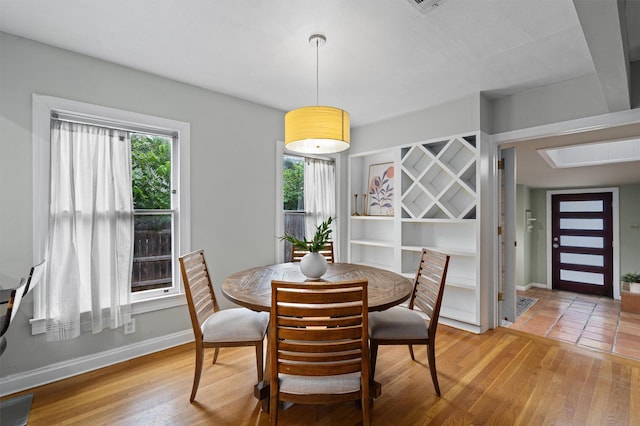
(584,320)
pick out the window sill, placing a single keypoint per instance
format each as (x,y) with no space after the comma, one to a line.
(38,325)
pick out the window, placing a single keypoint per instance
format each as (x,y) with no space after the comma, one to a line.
(151,175)
(309,196)
(160,185)
(293,194)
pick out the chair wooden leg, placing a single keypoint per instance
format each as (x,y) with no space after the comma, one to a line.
(374,357)
(366,408)
(273,408)
(198,371)
(431,354)
(259,361)
(413,358)
(215,355)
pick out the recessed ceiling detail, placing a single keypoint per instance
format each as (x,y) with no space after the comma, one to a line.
(592,154)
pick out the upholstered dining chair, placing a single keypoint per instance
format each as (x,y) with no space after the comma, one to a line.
(327,251)
(319,345)
(417,324)
(215,328)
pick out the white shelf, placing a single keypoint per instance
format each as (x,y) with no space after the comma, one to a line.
(461,282)
(458,314)
(439,179)
(436,203)
(383,218)
(446,250)
(375,265)
(436,221)
(376,243)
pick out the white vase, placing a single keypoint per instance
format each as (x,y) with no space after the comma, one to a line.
(313,265)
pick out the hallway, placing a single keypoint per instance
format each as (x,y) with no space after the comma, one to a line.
(589,321)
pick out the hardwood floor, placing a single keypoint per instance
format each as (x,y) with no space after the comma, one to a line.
(503,377)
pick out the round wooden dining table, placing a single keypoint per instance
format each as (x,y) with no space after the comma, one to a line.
(252,288)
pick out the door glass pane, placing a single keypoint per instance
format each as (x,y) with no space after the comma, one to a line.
(582,259)
(591,224)
(582,277)
(582,206)
(577,241)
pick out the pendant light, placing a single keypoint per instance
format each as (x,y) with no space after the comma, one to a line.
(317,129)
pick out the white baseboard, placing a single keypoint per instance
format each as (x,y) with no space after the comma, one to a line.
(530,285)
(62,370)
(539,285)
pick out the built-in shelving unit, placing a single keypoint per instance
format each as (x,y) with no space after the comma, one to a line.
(436,205)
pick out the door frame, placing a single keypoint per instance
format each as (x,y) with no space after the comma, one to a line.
(507,258)
(615,213)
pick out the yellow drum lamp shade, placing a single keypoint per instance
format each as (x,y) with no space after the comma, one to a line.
(317,130)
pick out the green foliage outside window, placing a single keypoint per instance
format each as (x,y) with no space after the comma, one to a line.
(151,171)
(293,183)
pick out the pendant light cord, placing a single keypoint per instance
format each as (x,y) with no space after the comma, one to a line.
(318,39)
(317,71)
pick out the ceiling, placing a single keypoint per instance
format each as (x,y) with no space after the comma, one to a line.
(383,58)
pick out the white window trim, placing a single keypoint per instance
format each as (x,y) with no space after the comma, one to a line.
(41,137)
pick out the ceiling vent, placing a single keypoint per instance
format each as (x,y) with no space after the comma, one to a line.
(424,6)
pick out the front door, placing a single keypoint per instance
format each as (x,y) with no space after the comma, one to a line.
(582,243)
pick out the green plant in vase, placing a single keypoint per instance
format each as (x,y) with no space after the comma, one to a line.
(320,238)
(633,280)
(631,277)
(313,265)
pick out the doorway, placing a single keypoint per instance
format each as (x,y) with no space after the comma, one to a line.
(582,243)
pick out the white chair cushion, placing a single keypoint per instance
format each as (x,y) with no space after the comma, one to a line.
(397,323)
(305,385)
(237,324)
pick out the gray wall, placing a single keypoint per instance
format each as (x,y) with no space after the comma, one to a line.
(634,71)
(232,186)
(567,100)
(523,236)
(629,232)
(538,236)
(459,116)
(629,236)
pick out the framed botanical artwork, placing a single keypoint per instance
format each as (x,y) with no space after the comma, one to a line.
(380,190)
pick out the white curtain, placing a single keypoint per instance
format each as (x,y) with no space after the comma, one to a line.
(90,244)
(319,196)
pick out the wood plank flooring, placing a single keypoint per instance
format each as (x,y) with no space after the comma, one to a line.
(503,377)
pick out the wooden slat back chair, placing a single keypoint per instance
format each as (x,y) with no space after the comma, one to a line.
(319,344)
(327,251)
(16,295)
(405,326)
(215,328)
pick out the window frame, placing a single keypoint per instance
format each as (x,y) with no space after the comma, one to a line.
(43,107)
